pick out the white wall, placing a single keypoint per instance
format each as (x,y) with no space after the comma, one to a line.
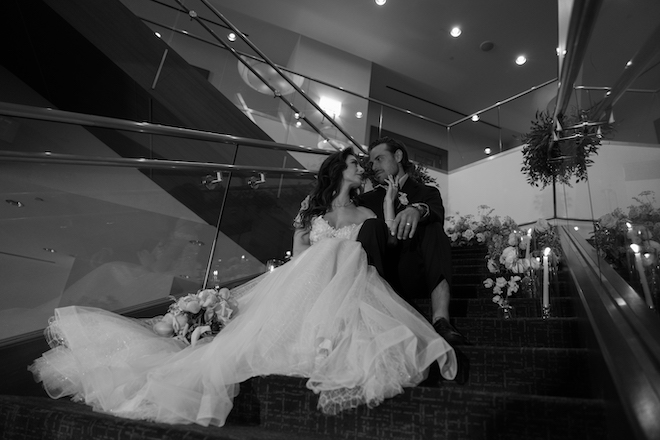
(620,172)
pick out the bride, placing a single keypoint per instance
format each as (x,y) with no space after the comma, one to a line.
(325,315)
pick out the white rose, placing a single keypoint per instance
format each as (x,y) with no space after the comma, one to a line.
(513,239)
(541,225)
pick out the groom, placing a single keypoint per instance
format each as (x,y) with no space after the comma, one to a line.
(420,261)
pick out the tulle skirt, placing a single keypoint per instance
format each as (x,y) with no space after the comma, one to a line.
(325,315)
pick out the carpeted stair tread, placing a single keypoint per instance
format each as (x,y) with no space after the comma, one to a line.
(35,418)
(427,413)
(560,372)
(484,307)
(530,332)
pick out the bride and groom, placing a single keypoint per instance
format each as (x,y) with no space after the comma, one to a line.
(326,315)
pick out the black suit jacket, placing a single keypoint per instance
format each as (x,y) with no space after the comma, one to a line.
(415,192)
(416,265)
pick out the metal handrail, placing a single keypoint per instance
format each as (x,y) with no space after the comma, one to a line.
(500,103)
(128,162)
(54,115)
(582,21)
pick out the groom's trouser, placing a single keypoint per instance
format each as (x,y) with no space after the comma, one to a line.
(413,267)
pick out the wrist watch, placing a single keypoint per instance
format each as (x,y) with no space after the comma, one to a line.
(422,208)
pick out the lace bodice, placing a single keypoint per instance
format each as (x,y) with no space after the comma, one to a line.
(321,229)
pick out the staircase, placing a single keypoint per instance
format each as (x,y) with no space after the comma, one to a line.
(529,379)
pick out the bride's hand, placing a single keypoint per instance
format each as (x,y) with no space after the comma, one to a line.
(392,188)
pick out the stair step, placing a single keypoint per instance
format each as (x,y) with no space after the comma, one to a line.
(433,413)
(34,418)
(530,332)
(484,307)
(524,370)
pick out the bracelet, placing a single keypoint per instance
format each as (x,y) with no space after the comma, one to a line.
(389,220)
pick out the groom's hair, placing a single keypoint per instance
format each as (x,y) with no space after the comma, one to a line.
(393,145)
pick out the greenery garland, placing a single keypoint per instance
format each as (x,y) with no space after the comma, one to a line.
(552,155)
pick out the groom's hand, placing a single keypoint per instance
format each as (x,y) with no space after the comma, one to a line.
(406,223)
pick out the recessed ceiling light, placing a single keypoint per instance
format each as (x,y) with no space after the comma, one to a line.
(380,2)
(521,60)
(298,124)
(231,36)
(358,115)
(455,32)
(157,34)
(475,118)
(487,150)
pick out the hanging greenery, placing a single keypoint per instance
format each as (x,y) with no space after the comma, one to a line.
(559,154)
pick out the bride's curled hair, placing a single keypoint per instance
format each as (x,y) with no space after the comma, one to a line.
(328,183)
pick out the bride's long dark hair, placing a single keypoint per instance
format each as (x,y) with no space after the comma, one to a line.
(328,183)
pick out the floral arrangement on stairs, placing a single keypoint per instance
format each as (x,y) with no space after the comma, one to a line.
(615,232)
(477,229)
(515,261)
(514,256)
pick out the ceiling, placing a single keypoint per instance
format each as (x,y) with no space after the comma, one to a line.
(421,68)
(412,39)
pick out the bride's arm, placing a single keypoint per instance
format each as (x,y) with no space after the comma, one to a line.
(300,241)
(388,203)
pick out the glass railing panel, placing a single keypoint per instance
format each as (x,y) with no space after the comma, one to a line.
(476,140)
(256,225)
(93,236)
(621,194)
(123,235)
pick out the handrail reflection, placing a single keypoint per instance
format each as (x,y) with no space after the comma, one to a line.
(54,115)
(193,15)
(626,330)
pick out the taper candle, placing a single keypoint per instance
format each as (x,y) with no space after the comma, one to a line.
(529,240)
(642,275)
(546,281)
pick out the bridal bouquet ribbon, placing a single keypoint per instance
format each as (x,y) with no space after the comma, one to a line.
(197,315)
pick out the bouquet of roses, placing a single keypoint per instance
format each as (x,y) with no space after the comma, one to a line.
(197,315)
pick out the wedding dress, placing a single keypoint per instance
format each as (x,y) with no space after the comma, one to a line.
(325,315)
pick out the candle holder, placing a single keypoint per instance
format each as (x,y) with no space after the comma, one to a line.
(546,312)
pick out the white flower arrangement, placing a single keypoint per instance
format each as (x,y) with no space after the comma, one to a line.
(197,315)
(503,288)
